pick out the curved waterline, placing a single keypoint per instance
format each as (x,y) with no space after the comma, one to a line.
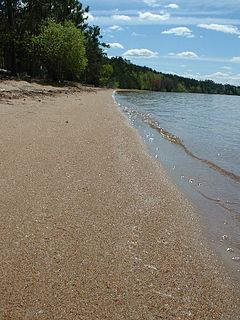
(176,140)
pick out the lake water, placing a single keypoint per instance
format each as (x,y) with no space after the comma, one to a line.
(197,139)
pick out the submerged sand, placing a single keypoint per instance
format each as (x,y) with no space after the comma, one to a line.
(91,228)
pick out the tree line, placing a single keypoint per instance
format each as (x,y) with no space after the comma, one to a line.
(127,75)
(51,39)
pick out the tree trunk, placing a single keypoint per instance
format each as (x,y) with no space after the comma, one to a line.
(11,23)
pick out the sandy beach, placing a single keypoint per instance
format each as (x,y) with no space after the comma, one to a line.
(91,228)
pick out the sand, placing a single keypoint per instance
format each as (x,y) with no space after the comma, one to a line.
(91,227)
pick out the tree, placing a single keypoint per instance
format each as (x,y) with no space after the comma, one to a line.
(69,10)
(22,20)
(62,50)
(105,74)
(8,14)
(95,55)
(37,11)
(34,14)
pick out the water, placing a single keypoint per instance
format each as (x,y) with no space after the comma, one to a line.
(197,138)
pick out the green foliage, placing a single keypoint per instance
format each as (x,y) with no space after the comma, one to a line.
(62,50)
(36,11)
(69,10)
(51,38)
(105,74)
(8,28)
(21,20)
(130,76)
(95,55)
(181,87)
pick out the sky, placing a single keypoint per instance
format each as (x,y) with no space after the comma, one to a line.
(193,38)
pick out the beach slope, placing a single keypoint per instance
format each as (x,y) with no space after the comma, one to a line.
(91,228)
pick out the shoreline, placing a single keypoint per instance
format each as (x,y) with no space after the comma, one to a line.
(91,226)
(219,227)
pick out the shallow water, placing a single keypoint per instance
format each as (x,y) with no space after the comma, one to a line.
(197,138)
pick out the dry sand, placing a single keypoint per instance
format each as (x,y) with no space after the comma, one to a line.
(91,228)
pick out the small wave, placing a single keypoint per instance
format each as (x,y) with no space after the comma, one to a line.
(220,203)
(146,118)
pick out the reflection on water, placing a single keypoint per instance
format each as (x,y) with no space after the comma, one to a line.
(197,138)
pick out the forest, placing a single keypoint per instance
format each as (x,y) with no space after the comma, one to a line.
(52,40)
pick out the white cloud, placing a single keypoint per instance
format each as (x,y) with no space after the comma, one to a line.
(135,34)
(180,31)
(104,18)
(151,3)
(172,6)
(219,74)
(224,78)
(185,54)
(153,16)
(220,27)
(140,53)
(219,77)
(115,28)
(88,16)
(115,45)
(226,68)
(121,17)
(235,59)
(23,5)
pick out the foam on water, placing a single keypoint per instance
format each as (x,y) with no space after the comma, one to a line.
(196,138)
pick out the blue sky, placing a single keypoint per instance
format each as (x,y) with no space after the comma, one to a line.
(197,39)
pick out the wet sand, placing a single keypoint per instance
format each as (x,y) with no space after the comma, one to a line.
(91,228)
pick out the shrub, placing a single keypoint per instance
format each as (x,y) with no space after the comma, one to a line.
(62,51)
